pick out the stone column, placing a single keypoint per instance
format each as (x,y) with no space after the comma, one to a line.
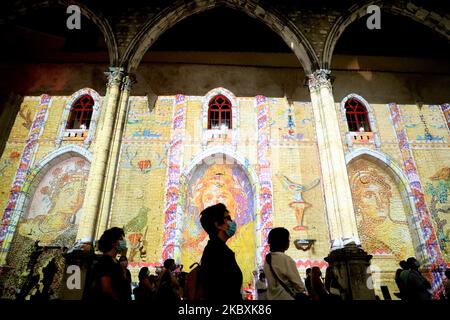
(114,158)
(102,147)
(351,265)
(338,197)
(78,276)
(349,260)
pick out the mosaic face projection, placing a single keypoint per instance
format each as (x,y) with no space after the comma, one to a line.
(56,205)
(219,182)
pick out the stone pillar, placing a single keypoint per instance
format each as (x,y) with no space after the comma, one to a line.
(102,146)
(114,158)
(338,197)
(78,276)
(351,265)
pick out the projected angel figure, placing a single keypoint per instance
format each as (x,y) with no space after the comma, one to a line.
(299,205)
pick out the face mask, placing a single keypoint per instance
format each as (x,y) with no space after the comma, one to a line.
(231,228)
(122,245)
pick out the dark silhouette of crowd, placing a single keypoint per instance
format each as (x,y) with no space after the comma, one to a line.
(218,277)
(412,285)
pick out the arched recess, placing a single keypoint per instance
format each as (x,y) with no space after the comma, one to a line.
(386,215)
(22,9)
(180,10)
(65,116)
(220,175)
(41,169)
(359,10)
(384,162)
(48,211)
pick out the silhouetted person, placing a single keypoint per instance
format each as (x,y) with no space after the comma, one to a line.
(318,288)
(181,276)
(398,281)
(332,284)
(168,287)
(415,285)
(145,290)
(447,284)
(220,274)
(308,281)
(108,281)
(284,281)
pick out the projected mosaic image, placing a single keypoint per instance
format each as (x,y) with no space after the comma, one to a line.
(56,205)
(230,185)
(380,212)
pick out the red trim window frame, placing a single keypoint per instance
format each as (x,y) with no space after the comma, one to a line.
(357,115)
(81,112)
(220,113)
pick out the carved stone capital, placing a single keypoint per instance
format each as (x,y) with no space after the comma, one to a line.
(319,78)
(128,81)
(115,76)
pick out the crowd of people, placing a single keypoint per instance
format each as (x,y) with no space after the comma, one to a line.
(219,278)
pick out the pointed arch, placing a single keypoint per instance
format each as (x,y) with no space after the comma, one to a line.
(359,10)
(239,191)
(45,164)
(206,132)
(23,8)
(370,118)
(230,155)
(385,162)
(180,10)
(66,113)
(35,176)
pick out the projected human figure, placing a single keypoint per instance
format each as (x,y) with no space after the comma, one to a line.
(382,230)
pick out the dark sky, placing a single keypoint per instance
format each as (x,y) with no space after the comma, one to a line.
(223,30)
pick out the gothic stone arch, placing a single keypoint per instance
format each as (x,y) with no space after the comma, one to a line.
(385,163)
(180,10)
(431,19)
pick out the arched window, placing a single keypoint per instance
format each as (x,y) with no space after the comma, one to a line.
(357,116)
(81,113)
(219,113)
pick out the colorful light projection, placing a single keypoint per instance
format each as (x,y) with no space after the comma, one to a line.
(173,178)
(9,220)
(380,216)
(434,254)
(56,205)
(230,185)
(264,172)
(299,205)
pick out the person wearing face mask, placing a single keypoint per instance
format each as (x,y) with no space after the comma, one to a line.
(415,285)
(108,279)
(220,273)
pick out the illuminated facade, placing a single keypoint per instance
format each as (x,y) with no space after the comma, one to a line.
(338,169)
